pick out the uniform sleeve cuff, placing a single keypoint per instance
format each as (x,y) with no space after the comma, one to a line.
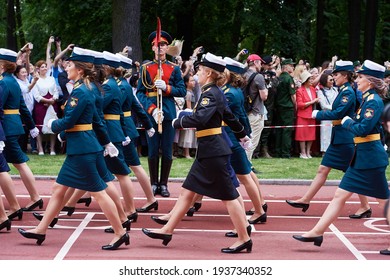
(151,108)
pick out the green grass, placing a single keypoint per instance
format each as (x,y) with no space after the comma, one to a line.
(275,168)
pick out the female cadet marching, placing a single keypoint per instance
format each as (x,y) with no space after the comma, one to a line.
(80,169)
(341,148)
(209,174)
(366,174)
(16,111)
(129,104)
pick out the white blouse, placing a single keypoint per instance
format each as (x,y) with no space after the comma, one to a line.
(43,86)
(26,93)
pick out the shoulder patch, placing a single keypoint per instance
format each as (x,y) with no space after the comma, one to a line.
(292,85)
(205,101)
(344,99)
(73,101)
(369,113)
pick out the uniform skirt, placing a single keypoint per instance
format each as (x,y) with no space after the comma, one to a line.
(117,165)
(131,155)
(82,172)
(368,182)
(239,160)
(3,164)
(210,177)
(13,152)
(104,173)
(338,156)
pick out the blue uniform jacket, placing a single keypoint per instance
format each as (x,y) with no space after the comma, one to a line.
(175,87)
(343,105)
(79,109)
(130,104)
(112,104)
(368,121)
(13,100)
(209,113)
(2,134)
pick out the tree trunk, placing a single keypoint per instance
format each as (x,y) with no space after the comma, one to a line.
(11,25)
(353,29)
(126,27)
(370,28)
(321,52)
(22,39)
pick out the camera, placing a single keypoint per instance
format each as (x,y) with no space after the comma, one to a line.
(30,46)
(245,51)
(57,39)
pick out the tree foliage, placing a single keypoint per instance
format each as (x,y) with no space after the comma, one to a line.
(314,30)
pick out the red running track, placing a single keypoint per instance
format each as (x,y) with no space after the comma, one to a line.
(201,237)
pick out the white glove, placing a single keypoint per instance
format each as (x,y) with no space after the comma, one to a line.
(34,132)
(314,114)
(50,122)
(127,141)
(246,143)
(160,84)
(110,150)
(59,138)
(2,145)
(345,118)
(155,115)
(150,132)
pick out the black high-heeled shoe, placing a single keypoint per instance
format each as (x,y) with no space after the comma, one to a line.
(251,212)
(158,220)
(38,203)
(39,237)
(125,224)
(133,217)
(235,234)
(124,239)
(39,217)
(247,245)
(86,200)
(304,206)
(317,240)
(166,238)
(190,212)
(384,252)
(197,206)
(6,224)
(69,209)
(365,214)
(259,220)
(152,206)
(17,213)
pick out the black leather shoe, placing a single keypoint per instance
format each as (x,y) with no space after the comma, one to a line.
(247,245)
(158,220)
(384,252)
(39,237)
(40,217)
(304,206)
(251,212)
(234,234)
(38,203)
(124,239)
(156,189)
(6,224)
(69,209)
(317,240)
(164,191)
(197,206)
(152,206)
(259,220)
(365,214)
(133,217)
(86,200)
(126,225)
(166,238)
(18,213)
(191,212)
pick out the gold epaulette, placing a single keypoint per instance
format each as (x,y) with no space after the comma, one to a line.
(105,81)
(370,97)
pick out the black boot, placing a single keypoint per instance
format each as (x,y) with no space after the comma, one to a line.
(153,172)
(165,169)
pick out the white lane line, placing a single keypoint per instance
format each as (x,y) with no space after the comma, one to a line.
(347,243)
(72,239)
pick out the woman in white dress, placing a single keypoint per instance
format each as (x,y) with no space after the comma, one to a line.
(45,94)
(327,94)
